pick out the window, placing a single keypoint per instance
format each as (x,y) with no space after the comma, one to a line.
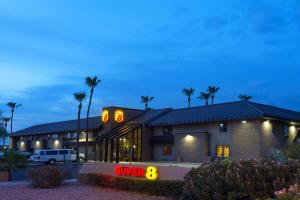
(51,152)
(95,134)
(55,136)
(168,130)
(167,150)
(223,151)
(42,153)
(223,127)
(285,130)
(63,152)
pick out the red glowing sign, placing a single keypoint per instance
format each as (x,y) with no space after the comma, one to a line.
(150,173)
(129,171)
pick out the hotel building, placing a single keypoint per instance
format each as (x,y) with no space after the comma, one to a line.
(236,130)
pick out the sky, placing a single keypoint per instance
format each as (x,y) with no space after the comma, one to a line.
(154,48)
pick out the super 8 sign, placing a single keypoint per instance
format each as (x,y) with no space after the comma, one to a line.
(149,173)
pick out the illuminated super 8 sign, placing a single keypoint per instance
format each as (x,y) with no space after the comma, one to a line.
(150,173)
(119,116)
(105,116)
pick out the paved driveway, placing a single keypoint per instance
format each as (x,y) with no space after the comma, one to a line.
(70,169)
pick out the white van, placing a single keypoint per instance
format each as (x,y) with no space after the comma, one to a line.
(52,156)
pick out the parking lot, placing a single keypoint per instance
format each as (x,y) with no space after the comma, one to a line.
(69,169)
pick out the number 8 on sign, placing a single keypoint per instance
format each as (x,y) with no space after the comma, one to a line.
(151,173)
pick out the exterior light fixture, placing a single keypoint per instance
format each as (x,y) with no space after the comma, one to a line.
(22,143)
(56,143)
(37,143)
(189,138)
(244,122)
(134,146)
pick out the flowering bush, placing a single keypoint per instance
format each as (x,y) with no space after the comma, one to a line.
(276,155)
(246,179)
(293,193)
(45,177)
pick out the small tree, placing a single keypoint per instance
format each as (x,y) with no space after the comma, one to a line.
(244,97)
(146,100)
(188,92)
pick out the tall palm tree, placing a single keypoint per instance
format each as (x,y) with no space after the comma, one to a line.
(79,96)
(204,96)
(146,100)
(12,106)
(212,90)
(5,121)
(91,82)
(244,97)
(188,92)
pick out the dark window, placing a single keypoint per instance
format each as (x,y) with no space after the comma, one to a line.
(168,130)
(95,134)
(167,150)
(63,152)
(44,144)
(285,130)
(42,153)
(223,127)
(51,152)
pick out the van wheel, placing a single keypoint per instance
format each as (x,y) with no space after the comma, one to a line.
(52,162)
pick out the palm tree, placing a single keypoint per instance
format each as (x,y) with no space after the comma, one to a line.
(12,106)
(188,92)
(204,96)
(146,100)
(212,90)
(244,97)
(79,96)
(91,83)
(5,121)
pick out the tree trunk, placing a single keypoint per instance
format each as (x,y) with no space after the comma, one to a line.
(11,122)
(87,124)
(146,106)
(206,102)
(78,132)
(212,99)
(4,134)
(189,101)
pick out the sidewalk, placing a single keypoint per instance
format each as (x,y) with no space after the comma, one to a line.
(16,183)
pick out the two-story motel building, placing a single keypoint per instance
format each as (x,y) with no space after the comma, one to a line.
(236,130)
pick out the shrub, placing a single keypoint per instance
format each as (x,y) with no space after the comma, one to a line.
(292,149)
(45,177)
(14,160)
(292,193)
(248,179)
(157,187)
(276,155)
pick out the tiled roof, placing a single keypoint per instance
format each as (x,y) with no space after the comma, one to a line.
(240,110)
(60,127)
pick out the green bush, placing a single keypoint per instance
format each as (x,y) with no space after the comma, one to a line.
(249,179)
(157,187)
(13,160)
(45,177)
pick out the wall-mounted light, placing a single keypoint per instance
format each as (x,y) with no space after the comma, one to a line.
(56,143)
(189,138)
(244,122)
(37,143)
(22,143)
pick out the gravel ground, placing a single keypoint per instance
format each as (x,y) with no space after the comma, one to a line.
(66,192)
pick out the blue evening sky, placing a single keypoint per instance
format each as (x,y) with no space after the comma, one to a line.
(154,48)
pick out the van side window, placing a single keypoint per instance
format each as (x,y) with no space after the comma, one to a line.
(51,152)
(42,153)
(63,152)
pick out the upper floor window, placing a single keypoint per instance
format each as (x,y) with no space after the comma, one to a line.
(223,127)
(167,130)
(167,150)
(55,136)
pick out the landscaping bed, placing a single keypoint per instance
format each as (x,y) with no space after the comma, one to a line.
(74,192)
